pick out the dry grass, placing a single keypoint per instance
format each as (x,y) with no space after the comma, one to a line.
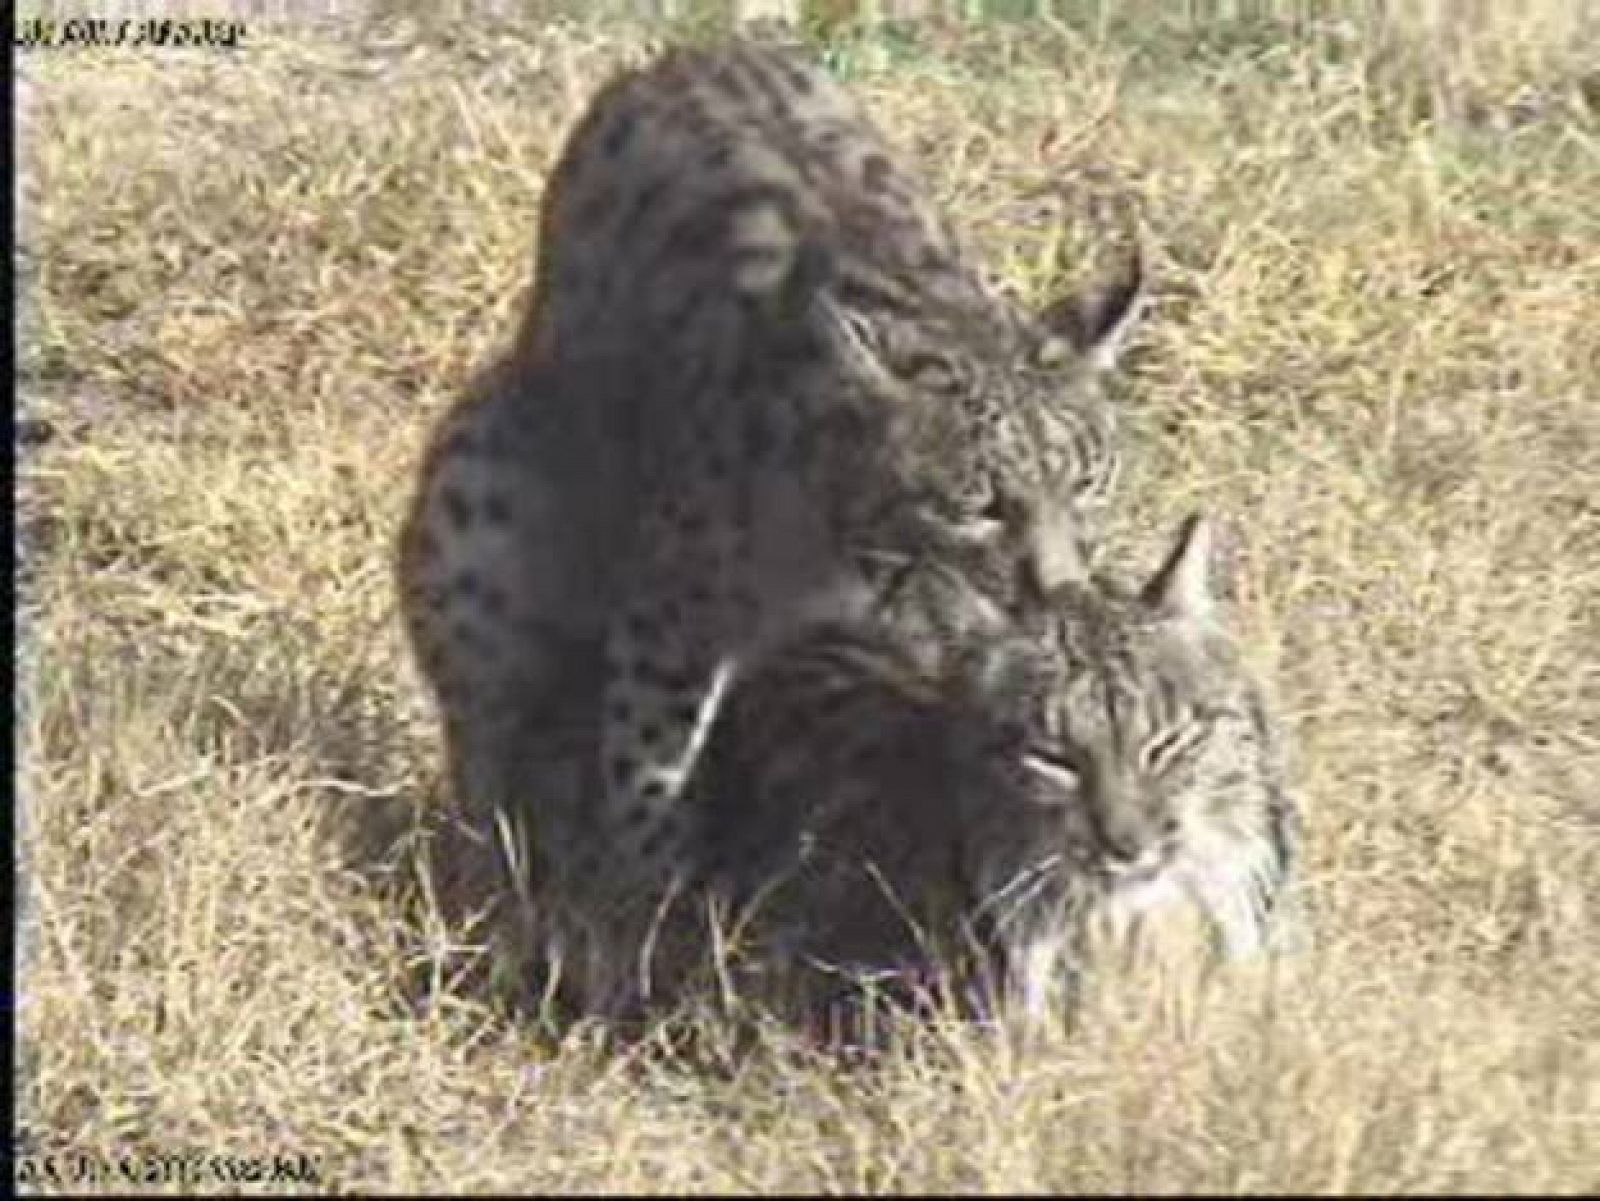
(259,278)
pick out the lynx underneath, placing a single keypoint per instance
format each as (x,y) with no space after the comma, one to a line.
(1106,761)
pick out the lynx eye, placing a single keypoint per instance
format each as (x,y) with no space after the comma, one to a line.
(1052,769)
(1160,752)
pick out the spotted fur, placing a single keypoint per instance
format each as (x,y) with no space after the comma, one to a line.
(759,385)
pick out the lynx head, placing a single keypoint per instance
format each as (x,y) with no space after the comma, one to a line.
(1000,413)
(1150,760)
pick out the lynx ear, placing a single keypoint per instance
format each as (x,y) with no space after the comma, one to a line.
(1179,589)
(1098,324)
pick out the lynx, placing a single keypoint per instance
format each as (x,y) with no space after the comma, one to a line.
(757,385)
(1106,759)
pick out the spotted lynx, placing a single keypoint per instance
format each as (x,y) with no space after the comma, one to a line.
(1106,759)
(758,384)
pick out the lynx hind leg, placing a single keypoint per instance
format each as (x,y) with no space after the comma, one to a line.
(735,555)
(500,579)
(665,688)
(671,655)
(499,598)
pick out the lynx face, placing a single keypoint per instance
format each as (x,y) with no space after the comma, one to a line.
(1137,712)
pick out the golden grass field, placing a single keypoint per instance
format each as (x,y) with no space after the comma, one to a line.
(258,278)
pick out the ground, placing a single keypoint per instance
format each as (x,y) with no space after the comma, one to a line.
(261,274)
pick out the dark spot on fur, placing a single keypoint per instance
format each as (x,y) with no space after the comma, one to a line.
(772,84)
(649,735)
(876,171)
(668,511)
(698,237)
(641,626)
(519,421)
(494,601)
(466,583)
(668,681)
(460,442)
(658,840)
(638,815)
(457,508)
(683,314)
(616,658)
(671,612)
(760,438)
(653,790)
(591,211)
(814,268)
(646,201)
(536,629)
(617,136)
(497,509)
(799,80)
(690,523)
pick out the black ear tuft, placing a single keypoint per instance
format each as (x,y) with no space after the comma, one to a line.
(1099,323)
(1180,588)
